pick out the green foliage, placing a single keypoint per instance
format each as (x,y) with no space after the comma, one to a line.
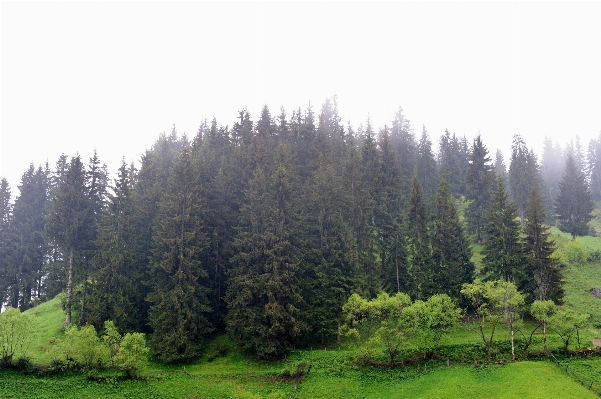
(15,333)
(70,223)
(503,254)
(480,181)
(542,311)
(392,324)
(426,168)
(574,204)
(421,263)
(494,302)
(523,174)
(114,290)
(29,247)
(111,338)
(132,354)
(574,252)
(83,345)
(450,247)
(264,297)
(179,309)
(543,270)
(567,324)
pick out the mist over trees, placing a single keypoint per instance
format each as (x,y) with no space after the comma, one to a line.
(265,229)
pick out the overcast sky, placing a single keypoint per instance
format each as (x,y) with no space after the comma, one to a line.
(111,76)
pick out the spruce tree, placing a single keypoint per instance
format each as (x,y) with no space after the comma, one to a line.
(500,167)
(263,297)
(543,269)
(28,240)
(368,193)
(574,205)
(426,168)
(97,181)
(150,187)
(419,245)
(403,141)
(5,242)
(329,253)
(523,174)
(115,292)
(552,163)
(179,297)
(69,222)
(390,205)
(450,247)
(450,159)
(479,183)
(503,254)
(594,167)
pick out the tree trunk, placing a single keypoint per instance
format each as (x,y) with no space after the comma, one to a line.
(69,293)
(512,338)
(83,294)
(545,336)
(396,260)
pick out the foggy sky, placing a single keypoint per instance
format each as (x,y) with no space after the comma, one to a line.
(111,76)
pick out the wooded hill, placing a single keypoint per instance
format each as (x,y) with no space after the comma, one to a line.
(265,229)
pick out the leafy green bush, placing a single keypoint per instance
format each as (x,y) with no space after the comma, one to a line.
(132,354)
(574,252)
(15,331)
(85,347)
(111,338)
(82,348)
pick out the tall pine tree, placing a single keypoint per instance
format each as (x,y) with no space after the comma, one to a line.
(451,250)
(543,269)
(263,297)
(503,254)
(115,292)
(479,182)
(419,245)
(179,297)
(426,168)
(29,244)
(574,205)
(5,242)
(70,224)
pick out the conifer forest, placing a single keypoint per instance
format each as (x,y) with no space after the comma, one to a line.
(265,229)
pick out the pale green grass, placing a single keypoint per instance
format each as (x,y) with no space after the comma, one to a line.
(523,379)
(48,319)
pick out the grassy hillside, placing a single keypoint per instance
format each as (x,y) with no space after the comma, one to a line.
(580,278)
(48,319)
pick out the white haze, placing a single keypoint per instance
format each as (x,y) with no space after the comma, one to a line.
(111,76)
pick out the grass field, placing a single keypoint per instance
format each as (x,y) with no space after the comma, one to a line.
(330,377)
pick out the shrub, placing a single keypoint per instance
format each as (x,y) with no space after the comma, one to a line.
(24,365)
(15,331)
(594,255)
(575,252)
(84,346)
(111,338)
(132,354)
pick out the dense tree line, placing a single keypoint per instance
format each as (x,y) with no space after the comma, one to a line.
(265,229)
